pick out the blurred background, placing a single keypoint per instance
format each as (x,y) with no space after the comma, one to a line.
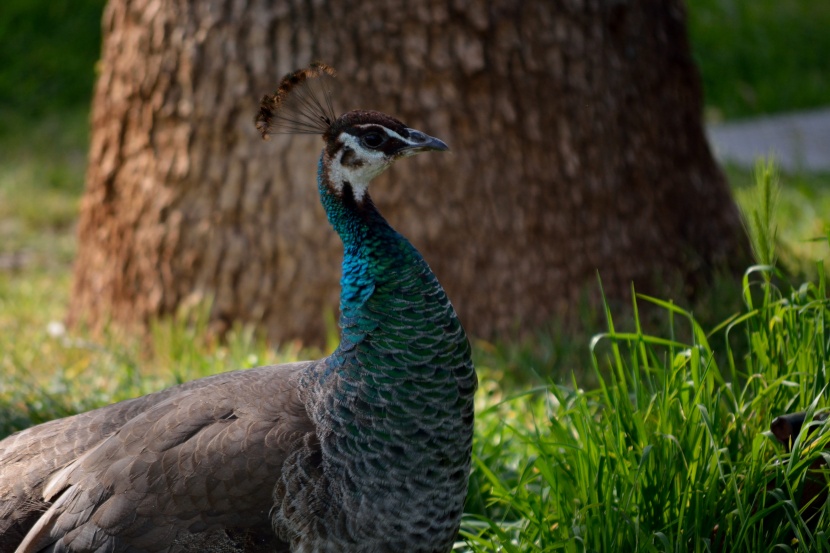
(756,58)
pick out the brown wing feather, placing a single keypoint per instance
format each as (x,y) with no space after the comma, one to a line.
(201,457)
(27,458)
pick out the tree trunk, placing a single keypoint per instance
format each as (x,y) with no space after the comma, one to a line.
(577,146)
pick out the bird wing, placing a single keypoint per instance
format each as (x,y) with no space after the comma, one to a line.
(29,457)
(204,458)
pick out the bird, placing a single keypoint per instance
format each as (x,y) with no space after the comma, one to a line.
(367,450)
(786,428)
(812,494)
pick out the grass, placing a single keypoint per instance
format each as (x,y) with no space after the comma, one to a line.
(672,451)
(803,205)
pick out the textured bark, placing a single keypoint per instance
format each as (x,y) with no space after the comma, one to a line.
(575,127)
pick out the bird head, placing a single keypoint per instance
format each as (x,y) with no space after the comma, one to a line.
(360,144)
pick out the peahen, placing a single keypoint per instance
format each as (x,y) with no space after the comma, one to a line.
(367,450)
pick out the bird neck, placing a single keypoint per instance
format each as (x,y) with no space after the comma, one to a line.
(350,210)
(377,261)
(400,342)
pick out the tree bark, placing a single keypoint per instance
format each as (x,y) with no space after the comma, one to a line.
(577,147)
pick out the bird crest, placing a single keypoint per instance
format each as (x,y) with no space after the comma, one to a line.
(301,105)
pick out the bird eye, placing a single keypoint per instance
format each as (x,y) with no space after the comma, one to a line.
(373,140)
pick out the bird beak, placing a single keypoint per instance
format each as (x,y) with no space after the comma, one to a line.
(421,142)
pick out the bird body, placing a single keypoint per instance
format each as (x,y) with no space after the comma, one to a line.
(392,403)
(366,450)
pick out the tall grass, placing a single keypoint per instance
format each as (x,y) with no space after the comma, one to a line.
(759,211)
(802,205)
(672,451)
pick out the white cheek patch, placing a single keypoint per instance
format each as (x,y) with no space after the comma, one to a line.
(363,166)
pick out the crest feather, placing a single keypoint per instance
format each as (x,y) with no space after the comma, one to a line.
(301,104)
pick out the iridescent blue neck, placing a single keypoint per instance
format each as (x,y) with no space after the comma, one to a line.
(372,250)
(353,222)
